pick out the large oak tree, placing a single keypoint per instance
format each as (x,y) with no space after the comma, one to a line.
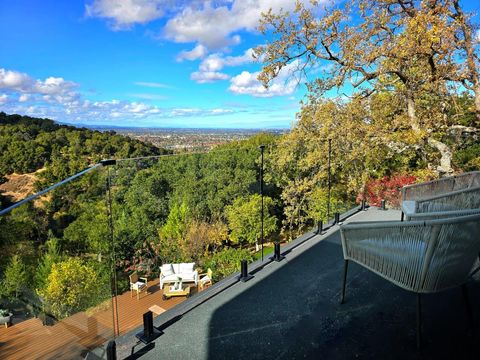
(417,49)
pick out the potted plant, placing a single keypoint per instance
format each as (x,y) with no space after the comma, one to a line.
(5,317)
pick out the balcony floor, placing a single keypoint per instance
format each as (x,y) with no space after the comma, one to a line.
(291,310)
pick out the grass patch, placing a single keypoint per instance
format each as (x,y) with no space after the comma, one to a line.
(266,250)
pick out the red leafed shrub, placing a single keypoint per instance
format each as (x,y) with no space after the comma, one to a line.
(387,188)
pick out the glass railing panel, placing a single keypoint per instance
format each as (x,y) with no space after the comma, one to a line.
(200,209)
(55,272)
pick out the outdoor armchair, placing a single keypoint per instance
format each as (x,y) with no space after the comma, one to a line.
(450,193)
(137,285)
(419,256)
(206,279)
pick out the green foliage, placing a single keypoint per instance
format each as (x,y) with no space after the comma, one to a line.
(73,285)
(15,278)
(50,257)
(177,222)
(89,232)
(28,144)
(244,219)
(468,159)
(227,261)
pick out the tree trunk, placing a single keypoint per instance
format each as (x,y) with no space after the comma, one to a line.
(445,166)
(412,112)
(477,103)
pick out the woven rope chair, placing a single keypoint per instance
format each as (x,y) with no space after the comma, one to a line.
(418,256)
(453,193)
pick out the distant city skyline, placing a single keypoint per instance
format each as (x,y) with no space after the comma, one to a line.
(156,63)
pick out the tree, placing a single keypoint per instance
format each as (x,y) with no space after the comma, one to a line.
(244,219)
(15,278)
(410,47)
(73,285)
(51,257)
(227,261)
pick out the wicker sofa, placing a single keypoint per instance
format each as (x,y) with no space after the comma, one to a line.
(450,193)
(171,273)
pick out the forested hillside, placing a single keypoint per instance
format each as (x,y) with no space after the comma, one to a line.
(28,144)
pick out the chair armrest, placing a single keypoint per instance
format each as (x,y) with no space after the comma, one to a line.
(202,274)
(144,278)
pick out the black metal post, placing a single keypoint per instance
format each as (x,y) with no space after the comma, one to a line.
(319,227)
(276,254)
(149,333)
(364,205)
(244,275)
(337,218)
(111,350)
(383,205)
(345,270)
(329,177)
(262,148)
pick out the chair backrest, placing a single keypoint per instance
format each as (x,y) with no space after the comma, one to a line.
(209,273)
(133,277)
(456,200)
(432,188)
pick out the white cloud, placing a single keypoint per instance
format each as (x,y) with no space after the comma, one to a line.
(151,84)
(478,36)
(53,89)
(203,77)
(122,14)
(57,99)
(214,26)
(198,52)
(23,98)
(247,83)
(209,69)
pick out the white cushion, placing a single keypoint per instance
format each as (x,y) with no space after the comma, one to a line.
(174,277)
(186,267)
(166,269)
(138,285)
(205,279)
(176,268)
(408,207)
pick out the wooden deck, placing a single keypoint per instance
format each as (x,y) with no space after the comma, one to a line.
(73,336)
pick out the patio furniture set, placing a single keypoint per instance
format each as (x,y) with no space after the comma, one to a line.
(436,249)
(180,275)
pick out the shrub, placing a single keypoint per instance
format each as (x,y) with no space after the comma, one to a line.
(386,188)
(73,285)
(227,261)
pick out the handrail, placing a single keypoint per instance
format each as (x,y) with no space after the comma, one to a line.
(44,191)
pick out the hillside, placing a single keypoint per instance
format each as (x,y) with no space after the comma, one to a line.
(28,144)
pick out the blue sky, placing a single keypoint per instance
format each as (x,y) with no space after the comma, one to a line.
(145,63)
(156,63)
